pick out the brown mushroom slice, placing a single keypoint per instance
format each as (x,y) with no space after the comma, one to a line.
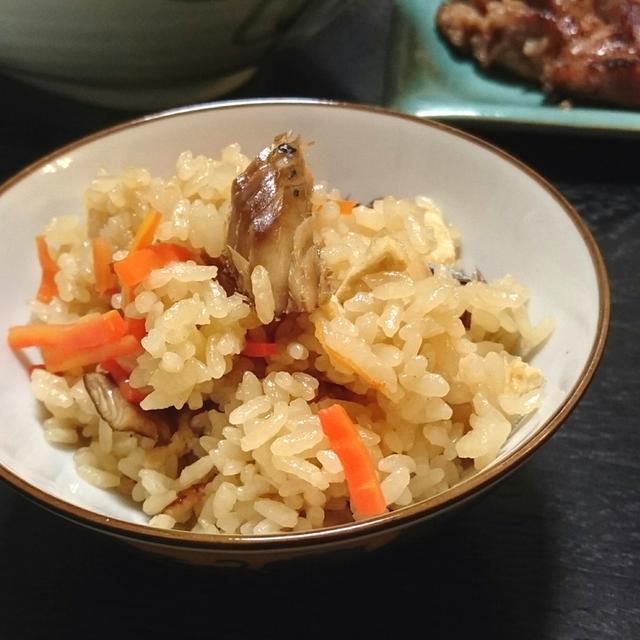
(269,200)
(115,410)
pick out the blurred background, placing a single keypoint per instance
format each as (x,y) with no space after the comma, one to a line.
(151,54)
(88,65)
(68,68)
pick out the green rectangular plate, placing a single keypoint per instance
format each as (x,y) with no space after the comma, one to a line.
(429,80)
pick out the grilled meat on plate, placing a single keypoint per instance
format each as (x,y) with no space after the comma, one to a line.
(583,48)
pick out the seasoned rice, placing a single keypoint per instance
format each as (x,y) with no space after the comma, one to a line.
(430,369)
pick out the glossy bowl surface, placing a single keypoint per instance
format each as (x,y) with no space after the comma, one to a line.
(511,221)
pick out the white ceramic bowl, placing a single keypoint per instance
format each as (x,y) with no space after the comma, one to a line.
(149,54)
(511,222)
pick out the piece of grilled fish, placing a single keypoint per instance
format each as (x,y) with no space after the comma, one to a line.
(270,204)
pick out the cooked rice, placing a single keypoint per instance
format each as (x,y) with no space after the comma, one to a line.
(433,400)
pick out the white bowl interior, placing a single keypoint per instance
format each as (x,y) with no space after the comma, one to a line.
(509,224)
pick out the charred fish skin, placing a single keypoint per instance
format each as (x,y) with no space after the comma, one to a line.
(277,178)
(269,200)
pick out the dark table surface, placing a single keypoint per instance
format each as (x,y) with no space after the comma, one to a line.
(552,552)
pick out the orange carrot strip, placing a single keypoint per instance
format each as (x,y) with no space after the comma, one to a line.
(131,394)
(133,269)
(136,327)
(47,289)
(102,265)
(125,293)
(94,331)
(115,369)
(121,377)
(57,359)
(33,367)
(146,231)
(260,349)
(346,206)
(137,266)
(169,252)
(360,474)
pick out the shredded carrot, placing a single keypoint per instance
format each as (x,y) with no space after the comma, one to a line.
(136,327)
(121,377)
(131,394)
(125,295)
(346,206)
(360,474)
(137,266)
(102,265)
(133,269)
(33,367)
(146,231)
(260,349)
(59,359)
(115,369)
(93,331)
(47,289)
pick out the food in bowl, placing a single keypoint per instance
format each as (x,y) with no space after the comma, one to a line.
(575,48)
(241,350)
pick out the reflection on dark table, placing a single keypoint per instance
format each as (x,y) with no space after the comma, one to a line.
(553,552)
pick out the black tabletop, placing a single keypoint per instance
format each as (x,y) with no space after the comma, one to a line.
(552,552)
